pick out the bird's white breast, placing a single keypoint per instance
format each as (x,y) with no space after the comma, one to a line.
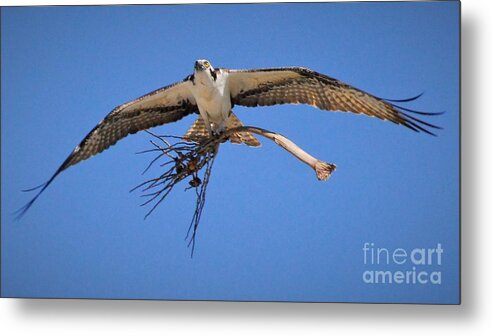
(213,98)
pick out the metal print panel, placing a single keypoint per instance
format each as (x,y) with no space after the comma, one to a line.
(353,195)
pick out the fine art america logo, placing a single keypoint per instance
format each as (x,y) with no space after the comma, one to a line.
(417,266)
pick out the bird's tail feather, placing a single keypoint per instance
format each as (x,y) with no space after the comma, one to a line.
(197,132)
(241,137)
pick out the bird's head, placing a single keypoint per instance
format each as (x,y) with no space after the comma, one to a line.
(202,65)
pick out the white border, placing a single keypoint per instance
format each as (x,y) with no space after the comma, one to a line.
(84,317)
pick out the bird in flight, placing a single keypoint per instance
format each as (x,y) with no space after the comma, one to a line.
(213,92)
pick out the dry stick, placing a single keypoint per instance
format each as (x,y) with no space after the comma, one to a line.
(323,169)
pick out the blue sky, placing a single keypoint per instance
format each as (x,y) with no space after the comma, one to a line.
(270,230)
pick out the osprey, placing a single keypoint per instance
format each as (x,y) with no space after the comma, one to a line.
(213,92)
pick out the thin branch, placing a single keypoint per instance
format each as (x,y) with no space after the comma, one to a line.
(323,169)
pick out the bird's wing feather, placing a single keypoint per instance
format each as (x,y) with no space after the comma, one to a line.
(158,107)
(162,106)
(296,85)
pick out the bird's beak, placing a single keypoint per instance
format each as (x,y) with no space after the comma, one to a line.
(198,66)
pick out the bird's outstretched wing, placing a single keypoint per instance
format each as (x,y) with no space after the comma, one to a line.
(296,85)
(162,106)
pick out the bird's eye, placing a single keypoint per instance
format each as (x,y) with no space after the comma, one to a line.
(206,64)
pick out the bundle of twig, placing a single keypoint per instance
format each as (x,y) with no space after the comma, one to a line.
(193,161)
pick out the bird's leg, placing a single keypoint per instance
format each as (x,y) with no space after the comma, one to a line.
(209,129)
(216,132)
